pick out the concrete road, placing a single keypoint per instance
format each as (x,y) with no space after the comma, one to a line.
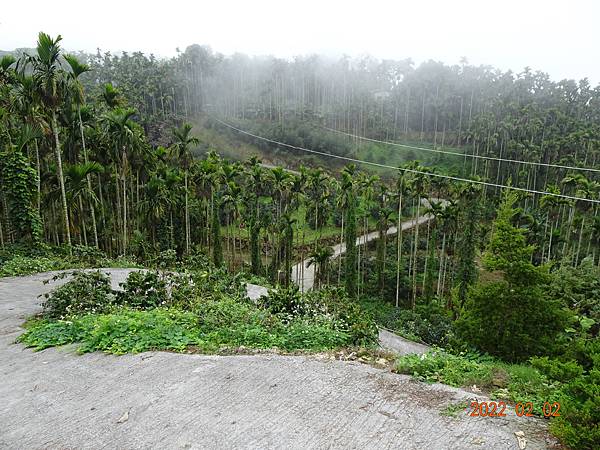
(304,275)
(59,400)
(397,344)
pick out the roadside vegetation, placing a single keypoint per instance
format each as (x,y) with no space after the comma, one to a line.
(200,310)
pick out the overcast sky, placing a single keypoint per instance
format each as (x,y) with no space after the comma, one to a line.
(558,37)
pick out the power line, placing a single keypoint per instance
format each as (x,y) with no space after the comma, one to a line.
(384,166)
(465,155)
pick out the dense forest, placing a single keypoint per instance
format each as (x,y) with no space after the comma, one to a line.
(101,155)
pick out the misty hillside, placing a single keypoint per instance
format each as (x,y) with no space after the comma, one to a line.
(290,253)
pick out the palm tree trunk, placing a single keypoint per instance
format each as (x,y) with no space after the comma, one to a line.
(124,214)
(416,245)
(61,180)
(399,250)
(549,257)
(1,235)
(89,180)
(544,237)
(171,236)
(85,241)
(39,176)
(137,197)
(233,238)
(339,277)
(570,223)
(442,257)
(591,237)
(118,216)
(187,215)
(426,256)
(579,241)
(101,198)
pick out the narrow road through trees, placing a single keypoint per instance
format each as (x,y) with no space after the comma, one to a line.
(304,274)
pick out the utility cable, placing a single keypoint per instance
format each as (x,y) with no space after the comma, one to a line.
(447,152)
(403,169)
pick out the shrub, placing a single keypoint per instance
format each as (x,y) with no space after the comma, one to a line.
(429,322)
(438,366)
(325,305)
(498,317)
(182,290)
(227,312)
(354,320)
(215,282)
(578,426)
(196,261)
(166,259)
(143,289)
(384,313)
(90,255)
(557,370)
(259,280)
(215,325)
(86,292)
(25,265)
(121,262)
(286,301)
(18,260)
(579,289)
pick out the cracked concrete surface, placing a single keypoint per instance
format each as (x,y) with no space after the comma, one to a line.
(397,344)
(57,399)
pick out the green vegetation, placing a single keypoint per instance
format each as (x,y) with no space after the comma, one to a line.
(196,311)
(225,326)
(18,261)
(514,304)
(97,169)
(454,409)
(542,381)
(519,312)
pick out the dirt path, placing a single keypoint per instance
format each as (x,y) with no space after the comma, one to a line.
(57,399)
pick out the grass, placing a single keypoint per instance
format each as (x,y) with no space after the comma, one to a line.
(239,150)
(203,311)
(229,148)
(502,381)
(453,409)
(395,156)
(542,381)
